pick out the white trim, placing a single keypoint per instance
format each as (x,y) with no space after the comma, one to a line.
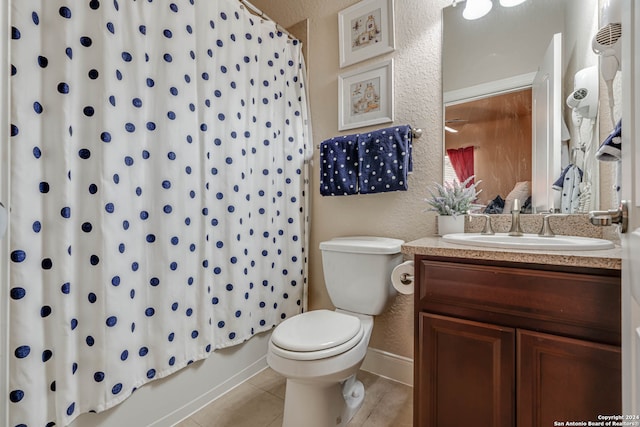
(384,364)
(220,390)
(169,400)
(483,90)
(4,198)
(389,365)
(630,169)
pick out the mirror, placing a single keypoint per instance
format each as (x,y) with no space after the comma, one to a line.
(492,98)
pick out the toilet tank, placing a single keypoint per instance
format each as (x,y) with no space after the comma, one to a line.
(357,272)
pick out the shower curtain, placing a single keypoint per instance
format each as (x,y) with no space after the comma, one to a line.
(157,196)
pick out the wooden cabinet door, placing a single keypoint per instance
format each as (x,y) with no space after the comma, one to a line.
(563,379)
(465,374)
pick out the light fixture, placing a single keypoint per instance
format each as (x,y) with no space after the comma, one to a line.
(476,9)
(511,3)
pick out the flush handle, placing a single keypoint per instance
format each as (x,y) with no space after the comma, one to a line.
(612,216)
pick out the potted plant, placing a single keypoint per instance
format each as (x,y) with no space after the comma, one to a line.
(452,200)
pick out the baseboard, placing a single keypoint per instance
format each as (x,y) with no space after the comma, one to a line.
(382,363)
(213,394)
(389,365)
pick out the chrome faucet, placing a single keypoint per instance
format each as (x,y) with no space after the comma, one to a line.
(515,219)
(487,224)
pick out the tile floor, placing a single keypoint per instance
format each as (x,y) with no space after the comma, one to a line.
(259,402)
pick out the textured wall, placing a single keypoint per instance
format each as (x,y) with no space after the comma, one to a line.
(418,102)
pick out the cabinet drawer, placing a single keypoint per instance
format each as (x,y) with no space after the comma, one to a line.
(572,303)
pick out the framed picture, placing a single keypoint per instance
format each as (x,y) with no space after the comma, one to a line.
(365,96)
(366,29)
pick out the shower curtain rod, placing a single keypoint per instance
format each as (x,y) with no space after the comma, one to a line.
(251,8)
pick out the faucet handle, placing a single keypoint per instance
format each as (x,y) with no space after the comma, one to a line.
(546,231)
(487,224)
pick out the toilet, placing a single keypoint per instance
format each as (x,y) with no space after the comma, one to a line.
(320,351)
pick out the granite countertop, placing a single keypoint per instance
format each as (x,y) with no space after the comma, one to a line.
(435,246)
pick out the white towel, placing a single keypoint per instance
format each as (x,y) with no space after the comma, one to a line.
(570,201)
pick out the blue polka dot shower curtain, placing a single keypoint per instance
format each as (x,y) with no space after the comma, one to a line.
(157,193)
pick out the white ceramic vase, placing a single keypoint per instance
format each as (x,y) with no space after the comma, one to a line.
(448,224)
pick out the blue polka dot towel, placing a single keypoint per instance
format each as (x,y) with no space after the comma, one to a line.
(385,160)
(610,150)
(367,163)
(339,166)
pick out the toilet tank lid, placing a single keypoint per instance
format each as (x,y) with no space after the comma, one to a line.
(363,245)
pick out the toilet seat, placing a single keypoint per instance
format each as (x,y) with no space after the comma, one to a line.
(316,334)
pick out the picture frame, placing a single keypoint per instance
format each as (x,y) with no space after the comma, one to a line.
(366,29)
(365,96)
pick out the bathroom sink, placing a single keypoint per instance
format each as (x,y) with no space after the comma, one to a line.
(529,241)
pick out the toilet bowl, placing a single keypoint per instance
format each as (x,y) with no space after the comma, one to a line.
(320,351)
(321,388)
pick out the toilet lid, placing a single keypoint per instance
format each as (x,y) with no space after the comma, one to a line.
(316,330)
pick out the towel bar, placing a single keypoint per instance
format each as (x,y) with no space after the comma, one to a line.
(416,133)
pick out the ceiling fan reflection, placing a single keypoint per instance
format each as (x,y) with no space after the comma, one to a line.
(451,122)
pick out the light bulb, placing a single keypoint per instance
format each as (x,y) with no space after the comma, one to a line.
(511,3)
(476,9)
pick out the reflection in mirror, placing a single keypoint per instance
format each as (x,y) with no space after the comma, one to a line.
(489,66)
(495,133)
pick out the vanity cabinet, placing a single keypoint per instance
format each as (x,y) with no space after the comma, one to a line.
(506,344)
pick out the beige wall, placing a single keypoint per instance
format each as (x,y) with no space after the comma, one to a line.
(418,102)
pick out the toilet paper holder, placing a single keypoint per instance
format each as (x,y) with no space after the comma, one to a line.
(406,278)
(402,277)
